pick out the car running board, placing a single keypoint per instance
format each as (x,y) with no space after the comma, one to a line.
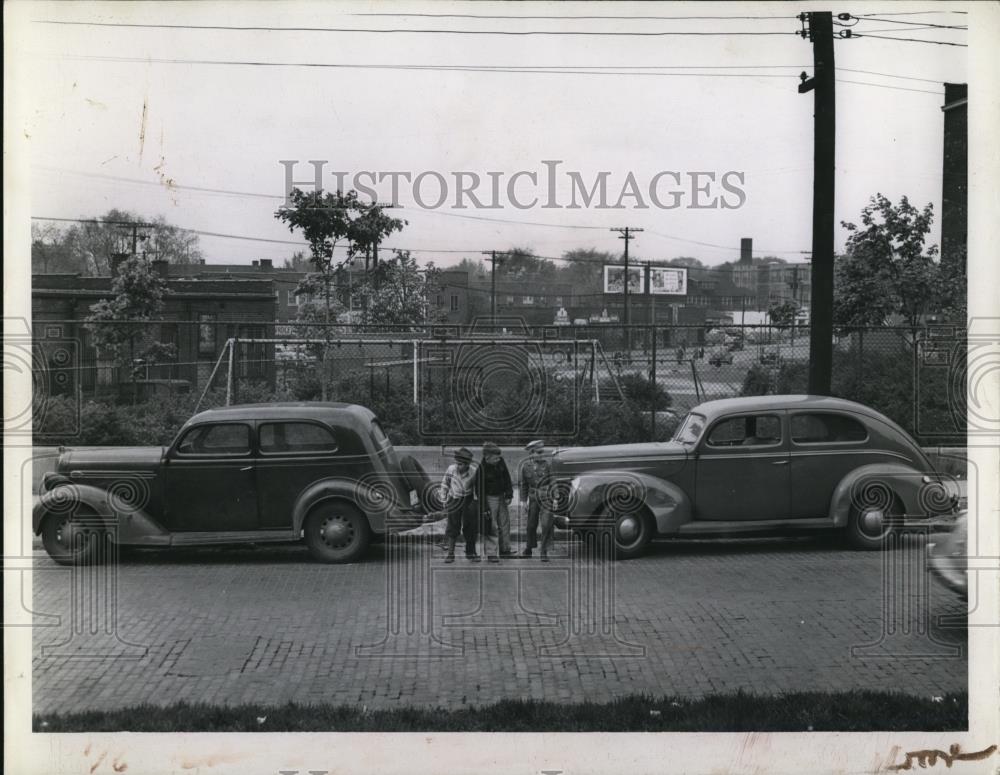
(232,537)
(709,527)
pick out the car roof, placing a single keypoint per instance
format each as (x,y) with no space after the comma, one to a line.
(317,410)
(712,409)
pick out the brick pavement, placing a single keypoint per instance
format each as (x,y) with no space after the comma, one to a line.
(270,626)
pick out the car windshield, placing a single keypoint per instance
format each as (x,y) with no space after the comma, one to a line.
(690,430)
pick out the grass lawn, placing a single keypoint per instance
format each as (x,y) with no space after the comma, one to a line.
(855,711)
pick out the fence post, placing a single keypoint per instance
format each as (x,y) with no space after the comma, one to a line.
(235,355)
(229,374)
(652,378)
(416,371)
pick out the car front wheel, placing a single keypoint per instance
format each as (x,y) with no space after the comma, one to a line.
(73,542)
(337,532)
(628,532)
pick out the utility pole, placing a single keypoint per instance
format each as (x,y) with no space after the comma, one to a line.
(626,233)
(818,27)
(374,247)
(494,260)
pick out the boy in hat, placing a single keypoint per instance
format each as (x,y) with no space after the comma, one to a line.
(457,492)
(495,491)
(534,488)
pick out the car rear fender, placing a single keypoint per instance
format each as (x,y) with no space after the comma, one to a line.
(129,523)
(596,490)
(375,501)
(866,484)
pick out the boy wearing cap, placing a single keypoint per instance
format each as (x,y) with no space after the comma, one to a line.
(534,488)
(495,490)
(457,492)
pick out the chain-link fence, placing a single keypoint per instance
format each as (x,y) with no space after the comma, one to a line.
(509,382)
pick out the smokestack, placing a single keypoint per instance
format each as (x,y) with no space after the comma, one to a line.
(746,250)
(266,263)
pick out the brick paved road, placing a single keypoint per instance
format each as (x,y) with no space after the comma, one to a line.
(268,625)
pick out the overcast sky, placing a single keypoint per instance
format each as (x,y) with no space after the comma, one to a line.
(108,134)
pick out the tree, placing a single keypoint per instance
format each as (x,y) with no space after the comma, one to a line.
(782,313)
(397,292)
(886,271)
(90,247)
(584,270)
(117,324)
(326,219)
(299,261)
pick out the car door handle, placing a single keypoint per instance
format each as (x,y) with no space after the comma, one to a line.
(247,468)
(780,463)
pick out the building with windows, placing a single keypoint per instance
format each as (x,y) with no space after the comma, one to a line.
(199,316)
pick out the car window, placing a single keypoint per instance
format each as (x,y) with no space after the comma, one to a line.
(746,431)
(216,439)
(826,429)
(282,437)
(380,438)
(690,430)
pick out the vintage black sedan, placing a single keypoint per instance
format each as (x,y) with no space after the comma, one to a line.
(324,473)
(754,465)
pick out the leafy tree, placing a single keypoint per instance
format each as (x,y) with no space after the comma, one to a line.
(89,247)
(782,313)
(886,270)
(585,270)
(298,261)
(116,323)
(398,292)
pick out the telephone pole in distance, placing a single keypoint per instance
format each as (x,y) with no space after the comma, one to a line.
(494,259)
(626,233)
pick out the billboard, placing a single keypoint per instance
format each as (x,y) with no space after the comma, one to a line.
(614,279)
(668,280)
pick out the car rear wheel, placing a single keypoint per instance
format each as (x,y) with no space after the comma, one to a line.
(870,525)
(78,541)
(337,532)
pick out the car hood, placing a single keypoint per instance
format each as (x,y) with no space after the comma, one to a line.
(111,458)
(616,455)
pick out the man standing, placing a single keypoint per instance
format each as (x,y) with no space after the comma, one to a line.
(495,491)
(457,493)
(534,488)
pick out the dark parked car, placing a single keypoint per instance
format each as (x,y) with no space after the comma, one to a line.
(324,473)
(745,466)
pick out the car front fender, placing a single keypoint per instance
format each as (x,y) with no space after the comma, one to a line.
(867,484)
(375,499)
(594,491)
(128,523)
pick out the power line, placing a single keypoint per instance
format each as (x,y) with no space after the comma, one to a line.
(920,24)
(887,86)
(910,40)
(908,13)
(572,17)
(542,70)
(513,69)
(391,31)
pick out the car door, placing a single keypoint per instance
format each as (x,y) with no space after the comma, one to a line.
(292,455)
(742,469)
(209,479)
(825,447)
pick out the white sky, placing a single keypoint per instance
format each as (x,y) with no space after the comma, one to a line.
(226,127)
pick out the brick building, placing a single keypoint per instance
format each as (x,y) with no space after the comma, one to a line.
(199,316)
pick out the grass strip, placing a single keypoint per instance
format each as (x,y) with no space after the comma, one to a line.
(854,711)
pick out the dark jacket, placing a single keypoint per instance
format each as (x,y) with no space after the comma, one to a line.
(493,479)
